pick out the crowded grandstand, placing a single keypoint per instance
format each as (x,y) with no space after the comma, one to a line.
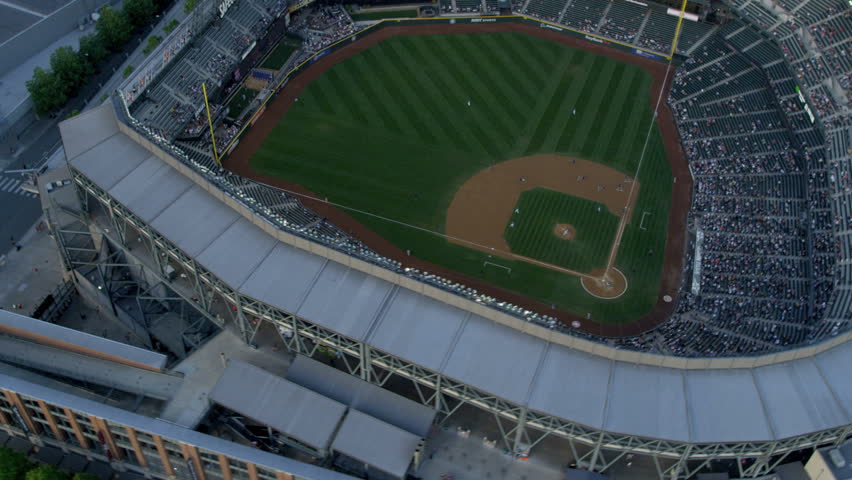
(760,94)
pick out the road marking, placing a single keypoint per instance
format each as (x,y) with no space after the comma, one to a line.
(11,185)
(22,9)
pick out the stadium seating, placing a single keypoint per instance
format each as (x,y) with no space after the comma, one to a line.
(584,15)
(545,9)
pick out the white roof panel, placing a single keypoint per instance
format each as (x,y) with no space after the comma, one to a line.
(88,129)
(111,160)
(376,443)
(495,358)
(281,404)
(725,406)
(572,384)
(834,366)
(418,328)
(150,188)
(194,220)
(345,300)
(284,277)
(234,265)
(647,401)
(797,398)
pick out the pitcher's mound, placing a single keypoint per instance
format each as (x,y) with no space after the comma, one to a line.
(564,231)
(606,285)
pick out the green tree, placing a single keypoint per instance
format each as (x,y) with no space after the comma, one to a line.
(92,49)
(46,90)
(169,28)
(69,69)
(46,472)
(153,41)
(127,71)
(84,476)
(188,6)
(139,12)
(13,465)
(113,28)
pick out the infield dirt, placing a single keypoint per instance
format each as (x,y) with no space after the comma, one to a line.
(239,162)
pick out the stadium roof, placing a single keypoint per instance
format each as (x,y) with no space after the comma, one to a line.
(271,400)
(690,405)
(376,443)
(364,396)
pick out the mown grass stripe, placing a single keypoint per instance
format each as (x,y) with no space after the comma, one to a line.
(500,81)
(611,130)
(339,93)
(371,94)
(483,99)
(399,83)
(424,96)
(514,81)
(604,113)
(562,120)
(462,117)
(587,107)
(318,95)
(376,71)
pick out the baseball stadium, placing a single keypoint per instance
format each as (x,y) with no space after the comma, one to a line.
(617,230)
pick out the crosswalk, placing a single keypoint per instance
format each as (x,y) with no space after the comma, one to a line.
(12,185)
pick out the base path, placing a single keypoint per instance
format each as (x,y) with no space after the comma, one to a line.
(239,163)
(483,205)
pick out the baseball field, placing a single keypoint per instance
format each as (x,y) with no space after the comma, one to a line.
(505,157)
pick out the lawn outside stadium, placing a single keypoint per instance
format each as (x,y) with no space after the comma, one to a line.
(604,441)
(376,234)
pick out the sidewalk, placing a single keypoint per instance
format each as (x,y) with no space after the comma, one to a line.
(29,274)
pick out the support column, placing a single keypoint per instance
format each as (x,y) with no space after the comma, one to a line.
(102,429)
(252,471)
(365,362)
(225,467)
(283,476)
(190,454)
(137,448)
(57,433)
(78,432)
(18,404)
(164,456)
(520,429)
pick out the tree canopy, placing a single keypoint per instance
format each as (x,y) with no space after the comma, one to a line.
(139,12)
(113,28)
(13,465)
(46,91)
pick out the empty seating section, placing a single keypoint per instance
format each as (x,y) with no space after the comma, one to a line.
(784,29)
(446,5)
(659,31)
(690,34)
(545,9)
(623,20)
(492,6)
(584,14)
(744,38)
(759,15)
(765,53)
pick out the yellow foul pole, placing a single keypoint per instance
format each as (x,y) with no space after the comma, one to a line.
(210,122)
(677,30)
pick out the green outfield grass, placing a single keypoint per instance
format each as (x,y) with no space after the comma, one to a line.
(389,131)
(364,16)
(530,231)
